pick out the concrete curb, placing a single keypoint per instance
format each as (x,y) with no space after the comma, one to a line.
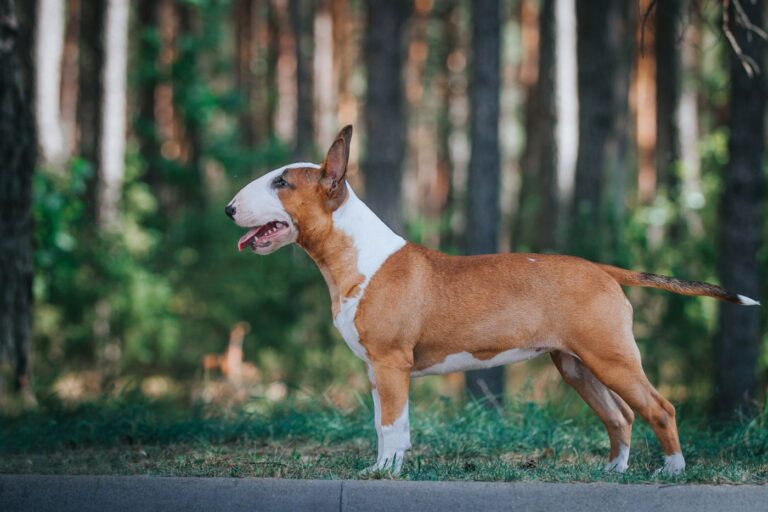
(42,493)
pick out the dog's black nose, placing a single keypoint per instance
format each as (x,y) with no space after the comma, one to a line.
(230,210)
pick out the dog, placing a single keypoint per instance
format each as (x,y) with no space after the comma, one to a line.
(407,310)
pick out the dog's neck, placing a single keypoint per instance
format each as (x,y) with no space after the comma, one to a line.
(352,249)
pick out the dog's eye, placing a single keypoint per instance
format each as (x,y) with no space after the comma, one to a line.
(279,182)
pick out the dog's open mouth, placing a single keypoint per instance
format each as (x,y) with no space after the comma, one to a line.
(262,236)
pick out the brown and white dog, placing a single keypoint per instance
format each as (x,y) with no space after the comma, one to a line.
(409,311)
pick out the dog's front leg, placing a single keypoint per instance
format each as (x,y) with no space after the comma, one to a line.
(390,400)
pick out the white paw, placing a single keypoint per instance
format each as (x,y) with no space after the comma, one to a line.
(616,466)
(673,465)
(390,463)
(619,464)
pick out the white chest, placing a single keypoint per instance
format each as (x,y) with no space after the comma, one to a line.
(374,242)
(345,323)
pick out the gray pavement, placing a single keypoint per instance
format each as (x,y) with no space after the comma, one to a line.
(118,493)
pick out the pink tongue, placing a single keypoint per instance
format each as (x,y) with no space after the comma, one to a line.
(245,240)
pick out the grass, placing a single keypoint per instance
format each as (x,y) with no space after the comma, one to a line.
(528,441)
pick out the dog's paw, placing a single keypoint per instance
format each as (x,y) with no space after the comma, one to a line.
(619,464)
(673,465)
(387,464)
(616,466)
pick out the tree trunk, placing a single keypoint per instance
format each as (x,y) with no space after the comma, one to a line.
(70,76)
(250,72)
(303,21)
(483,215)
(536,223)
(111,167)
(113,115)
(49,47)
(326,74)
(188,66)
(566,93)
(597,55)
(667,94)
(385,115)
(245,50)
(17,151)
(741,228)
(145,126)
(89,117)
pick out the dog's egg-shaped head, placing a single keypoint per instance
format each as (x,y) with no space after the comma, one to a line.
(281,206)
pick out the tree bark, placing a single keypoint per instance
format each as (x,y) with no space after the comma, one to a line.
(244,60)
(89,116)
(303,22)
(483,214)
(597,54)
(385,115)
(70,76)
(113,115)
(667,94)
(17,151)
(741,228)
(145,125)
(536,223)
(49,48)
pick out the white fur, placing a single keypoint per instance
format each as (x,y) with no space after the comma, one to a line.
(345,324)
(257,203)
(619,463)
(571,366)
(746,301)
(673,465)
(374,243)
(462,361)
(393,440)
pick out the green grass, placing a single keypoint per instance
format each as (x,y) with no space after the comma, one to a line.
(132,435)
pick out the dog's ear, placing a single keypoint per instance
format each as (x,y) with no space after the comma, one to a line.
(334,169)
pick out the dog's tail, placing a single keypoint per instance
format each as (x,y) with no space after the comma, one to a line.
(694,288)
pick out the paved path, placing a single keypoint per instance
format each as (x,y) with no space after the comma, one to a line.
(118,493)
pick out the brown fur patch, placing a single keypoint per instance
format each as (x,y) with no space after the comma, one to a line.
(331,249)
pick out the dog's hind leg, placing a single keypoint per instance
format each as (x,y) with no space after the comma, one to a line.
(609,407)
(616,363)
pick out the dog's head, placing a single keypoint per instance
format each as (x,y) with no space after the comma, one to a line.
(294,202)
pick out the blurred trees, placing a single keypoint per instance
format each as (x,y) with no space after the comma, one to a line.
(485,162)
(467,115)
(601,33)
(17,151)
(385,108)
(743,212)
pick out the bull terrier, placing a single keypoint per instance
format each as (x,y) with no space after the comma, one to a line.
(407,310)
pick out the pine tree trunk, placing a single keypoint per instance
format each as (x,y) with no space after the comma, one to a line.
(597,54)
(49,47)
(385,109)
(245,52)
(536,222)
(145,125)
(666,49)
(89,116)
(483,215)
(70,76)
(17,152)
(113,115)
(303,21)
(741,225)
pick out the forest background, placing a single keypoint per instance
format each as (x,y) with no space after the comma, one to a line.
(630,133)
